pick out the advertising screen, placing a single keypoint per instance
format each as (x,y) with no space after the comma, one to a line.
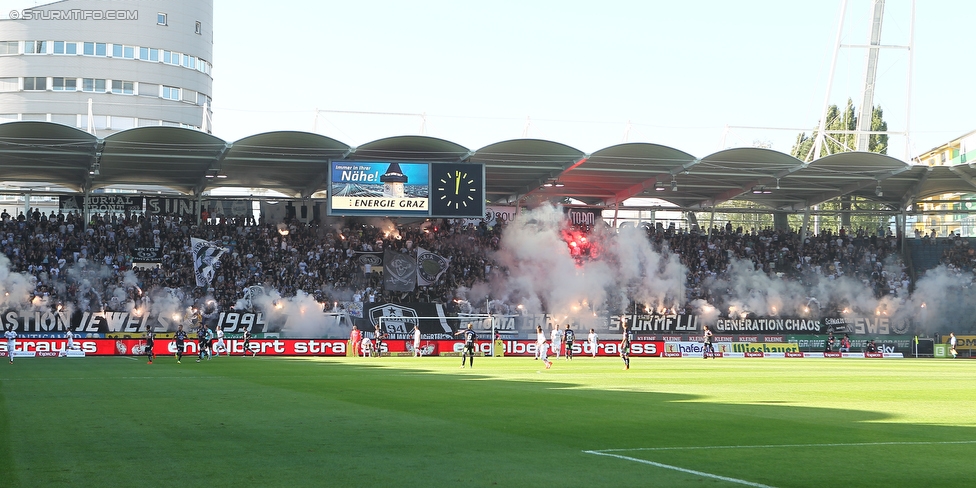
(407,189)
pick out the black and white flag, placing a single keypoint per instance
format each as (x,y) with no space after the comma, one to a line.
(399,271)
(205,257)
(430,267)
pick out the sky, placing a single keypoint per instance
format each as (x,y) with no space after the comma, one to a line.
(699,76)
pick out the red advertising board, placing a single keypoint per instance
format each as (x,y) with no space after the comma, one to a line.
(137,347)
(319,347)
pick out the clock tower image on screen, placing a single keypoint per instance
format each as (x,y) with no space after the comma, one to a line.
(393,181)
(457,189)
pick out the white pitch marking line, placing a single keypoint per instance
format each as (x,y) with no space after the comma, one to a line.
(773,446)
(683,470)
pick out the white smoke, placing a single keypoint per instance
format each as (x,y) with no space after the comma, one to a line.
(539,272)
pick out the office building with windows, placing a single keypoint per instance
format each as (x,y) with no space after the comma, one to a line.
(105,66)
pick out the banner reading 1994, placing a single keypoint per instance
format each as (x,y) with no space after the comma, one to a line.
(400,188)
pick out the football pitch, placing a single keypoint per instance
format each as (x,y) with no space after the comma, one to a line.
(116,421)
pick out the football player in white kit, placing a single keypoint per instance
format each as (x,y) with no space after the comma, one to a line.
(11,336)
(557,340)
(416,341)
(593,339)
(540,341)
(544,353)
(220,345)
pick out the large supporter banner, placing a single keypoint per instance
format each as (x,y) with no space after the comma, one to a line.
(131,323)
(183,207)
(882,325)
(773,325)
(101,203)
(228,208)
(147,255)
(583,216)
(643,327)
(399,319)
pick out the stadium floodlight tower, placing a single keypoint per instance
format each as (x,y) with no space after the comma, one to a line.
(873,48)
(863,131)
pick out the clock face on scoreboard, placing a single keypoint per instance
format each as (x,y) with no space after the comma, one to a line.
(457,190)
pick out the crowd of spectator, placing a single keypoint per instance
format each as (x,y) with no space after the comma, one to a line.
(958,256)
(868,257)
(91,266)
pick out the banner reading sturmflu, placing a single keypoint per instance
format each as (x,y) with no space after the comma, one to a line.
(380,188)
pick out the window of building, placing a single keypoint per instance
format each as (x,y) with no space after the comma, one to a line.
(9,47)
(61,47)
(198,28)
(154,54)
(35,83)
(189,61)
(128,52)
(99,49)
(122,123)
(123,87)
(8,84)
(64,84)
(96,85)
(161,19)
(171,93)
(148,90)
(88,49)
(35,47)
(100,121)
(117,50)
(144,53)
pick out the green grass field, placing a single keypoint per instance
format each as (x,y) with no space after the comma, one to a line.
(423,422)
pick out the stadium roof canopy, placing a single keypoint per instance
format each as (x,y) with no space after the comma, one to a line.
(191,162)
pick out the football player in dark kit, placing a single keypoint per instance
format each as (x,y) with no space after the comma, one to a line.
(150,343)
(247,343)
(202,345)
(180,337)
(470,337)
(569,337)
(625,346)
(707,339)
